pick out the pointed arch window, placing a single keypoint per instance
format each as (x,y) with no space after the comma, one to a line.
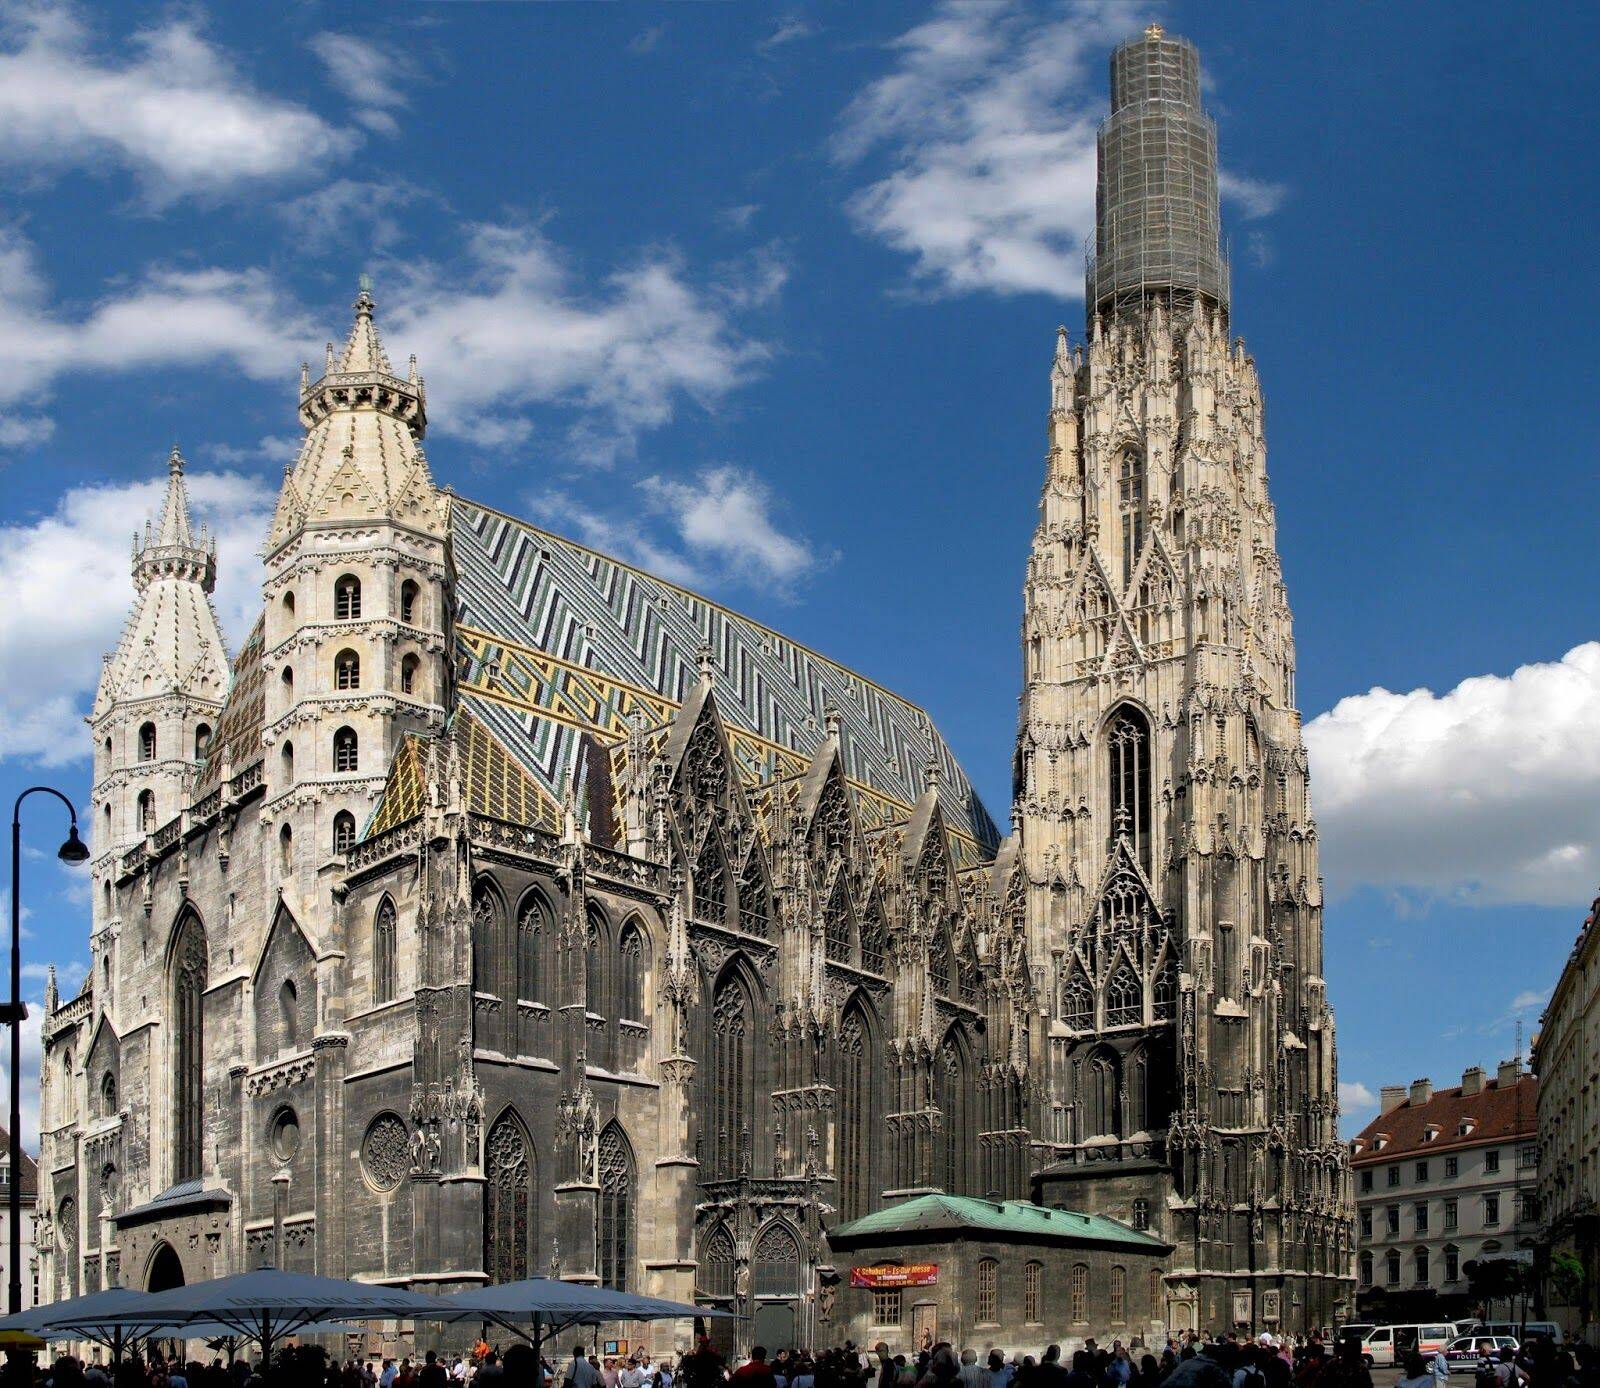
(108,1095)
(1077,1003)
(939,964)
(202,741)
(755,909)
(711,884)
(409,593)
(630,973)
(147,811)
(289,1013)
(1124,998)
(384,930)
(510,1199)
(1164,996)
(1128,742)
(1117,1301)
(347,670)
(1130,502)
(345,750)
(594,997)
(344,831)
(732,1077)
(487,952)
(190,969)
(836,922)
(532,927)
(775,1262)
(853,1135)
(956,1107)
(347,598)
(718,1263)
(147,742)
(614,1217)
(408,674)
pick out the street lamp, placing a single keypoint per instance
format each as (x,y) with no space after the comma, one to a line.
(74,850)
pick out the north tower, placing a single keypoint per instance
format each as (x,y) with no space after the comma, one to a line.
(1160,797)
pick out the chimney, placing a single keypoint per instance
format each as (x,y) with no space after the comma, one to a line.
(1421,1091)
(1509,1073)
(1392,1097)
(1472,1081)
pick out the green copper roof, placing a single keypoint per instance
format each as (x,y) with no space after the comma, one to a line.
(1016,1218)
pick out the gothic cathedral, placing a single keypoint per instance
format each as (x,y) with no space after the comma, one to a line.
(499,909)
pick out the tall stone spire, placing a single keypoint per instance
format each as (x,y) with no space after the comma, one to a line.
(172,547)
(1163,817)
(1157,220)
(362,457)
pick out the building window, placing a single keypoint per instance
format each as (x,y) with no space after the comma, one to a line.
(147,742)
(286,850)
(1391,1269)
(956,1106)
(1452,1168)
(289,1012)
(1128,740)
(1419,1215)
(1117,1302)
(189,976)
(147,811)
(1078,1303)
(1419,1266)
(718,1264)
(855,1132)
(108,1095)
(711,884)
(1394,1175)
(202,741)
(988,1308)
(614,1232)
(1527,1158)
(1077,1003)
(347,670)
(344,831)
(344,750)
(1141,1214)
(1527,1207)
(408,601)
(1032,1276)
(383,953)
(1124,998)
(836,931)
(1392,1215)
(531,930)
(886,1306)
(1366,1179)
(347,598)
(1422,1171)
(510,1201)
(1130,500)
(286,760)
(630,973)
(731,1078)
(1491,1159)
(1491,1211)
(1450,1214)
(1366,1267)
(1452,1264)
(1366,1223)
(408,674)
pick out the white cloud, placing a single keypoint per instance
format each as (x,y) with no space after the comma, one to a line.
(354,214)
(168,105)
(23,431)
(168,317)
(987,123)
(1355,1096)
(725,517)
(270,448)
(513,326)
(373,78)
(790,29)
(51,647)
(1487,794)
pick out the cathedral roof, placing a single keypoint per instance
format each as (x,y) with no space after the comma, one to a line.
(555,640)
(935,1216)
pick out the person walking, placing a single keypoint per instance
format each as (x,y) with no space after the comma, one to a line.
(580,1372)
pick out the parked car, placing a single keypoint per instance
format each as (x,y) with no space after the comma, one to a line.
(1518,1330)
(1464,1353)
(1384,1343)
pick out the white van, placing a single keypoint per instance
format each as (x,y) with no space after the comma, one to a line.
(1384,1344)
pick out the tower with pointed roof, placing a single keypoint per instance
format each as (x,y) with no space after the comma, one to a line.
(1165,834)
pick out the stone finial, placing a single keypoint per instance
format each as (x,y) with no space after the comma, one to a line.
(830,719)
(705,660)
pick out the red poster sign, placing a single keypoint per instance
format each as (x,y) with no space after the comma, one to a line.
(895,1275)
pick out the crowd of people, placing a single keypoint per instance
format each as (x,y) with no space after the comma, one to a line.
(1191,1361)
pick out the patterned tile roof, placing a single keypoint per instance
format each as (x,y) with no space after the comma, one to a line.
(1497,1114)
(237,739)
(554,639)
(956,1214)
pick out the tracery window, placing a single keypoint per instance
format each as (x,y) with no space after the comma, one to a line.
(957,1133)
(510,1201)
(1124,998)
(1130,501)
(486,952)
(594,995)
(718,1263)
(1078,1300)
(939,965)
(531,922)
(189,974)
(630,973)
(614,1234)
(755,910)
(853,1081)
(344,831)
(711,884)
(344,750)
(1077,1002)
(1128,740)
(872,933)
(347,598)
(347,670)
(987,1310)
(108,1095)
(775,1262)
(383,952)
(1164,999)
(836,922)
(67,1231)
(732,1076)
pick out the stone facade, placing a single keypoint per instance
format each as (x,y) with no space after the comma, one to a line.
(502,909)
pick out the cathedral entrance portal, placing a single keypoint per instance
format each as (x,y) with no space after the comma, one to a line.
(166,1270)
(775,1325)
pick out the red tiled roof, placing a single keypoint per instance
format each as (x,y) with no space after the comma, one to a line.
(1501,1114)
(30,1168)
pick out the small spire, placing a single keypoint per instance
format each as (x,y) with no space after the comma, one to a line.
(1154,31)
(175,462)
(364,350)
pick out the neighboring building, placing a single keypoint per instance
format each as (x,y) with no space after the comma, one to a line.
(500,908)
(1444,1177)
(988,1272)
(1566,1057)
(30,1202)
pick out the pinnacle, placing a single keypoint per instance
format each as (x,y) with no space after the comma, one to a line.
(364,349)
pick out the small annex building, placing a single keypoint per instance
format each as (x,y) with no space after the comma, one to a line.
(995,1273)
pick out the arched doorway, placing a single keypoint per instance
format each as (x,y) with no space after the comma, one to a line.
(166,1270)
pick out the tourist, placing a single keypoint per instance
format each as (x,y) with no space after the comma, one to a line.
(1414,1372)
(757,1373)
(581,1372)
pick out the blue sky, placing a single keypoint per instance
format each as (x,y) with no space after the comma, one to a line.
(764,298)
